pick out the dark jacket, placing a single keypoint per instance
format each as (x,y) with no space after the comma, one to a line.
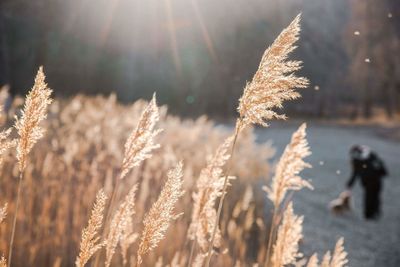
(370,170)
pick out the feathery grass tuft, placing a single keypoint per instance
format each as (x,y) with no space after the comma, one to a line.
(29,131)
(119,223)
(209,188)
(3,212)
(140,143)
(339,258)
(286,248)
(289,166)
(5,143)
(90,240)
(157,221)
(199,260)
(35,110)
(274,81)
(3,262)
(313,261)
(326,260)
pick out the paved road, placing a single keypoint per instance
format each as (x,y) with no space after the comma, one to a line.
(368,243)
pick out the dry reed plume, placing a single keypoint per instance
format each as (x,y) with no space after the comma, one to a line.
(287,176)
(338,259)
(138,147)
(3,262)
(141,142)
(34,111)
(3,212)
(5,143)
(209,188)
(158,219)
(29,131)
(289,166)
(121,226)
(128,238)
(90,239)
(286,248)
(313,261)
(274,81)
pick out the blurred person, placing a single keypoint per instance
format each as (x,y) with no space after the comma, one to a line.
(370,169)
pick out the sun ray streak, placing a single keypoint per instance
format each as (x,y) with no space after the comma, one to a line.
(172,35)
(204,31)
(108,22)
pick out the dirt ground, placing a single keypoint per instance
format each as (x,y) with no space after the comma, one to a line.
(368,243)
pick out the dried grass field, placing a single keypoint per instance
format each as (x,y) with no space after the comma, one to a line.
(73,161)
(91,182)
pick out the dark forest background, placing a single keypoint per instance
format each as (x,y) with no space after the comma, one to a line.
(198,54)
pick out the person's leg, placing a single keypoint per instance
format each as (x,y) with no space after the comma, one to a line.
(378,201)
(372,202)
(368,204)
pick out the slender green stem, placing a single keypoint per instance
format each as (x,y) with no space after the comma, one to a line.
(15,220)
(221,200)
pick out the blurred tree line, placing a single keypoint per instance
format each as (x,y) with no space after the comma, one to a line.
(198,55)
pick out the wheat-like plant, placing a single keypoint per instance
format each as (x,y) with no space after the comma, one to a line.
(289,166)
(199,260)
(209,188)
(286,248)
(140,143)
(313,261)
(158,219)
(287,176)
(3,212)
(138,147)
(274,81)
(34,111)
(3,262)
(128,237)
(119,222)
(326,260)
(5,143)
(338,259)
(29,131)
(90,243)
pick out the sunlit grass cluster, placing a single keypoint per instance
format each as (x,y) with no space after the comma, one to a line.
(114,185)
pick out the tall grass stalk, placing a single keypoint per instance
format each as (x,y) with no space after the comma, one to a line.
(238,127)
(192,249)
(14,225)
(270,236)
(29,131)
